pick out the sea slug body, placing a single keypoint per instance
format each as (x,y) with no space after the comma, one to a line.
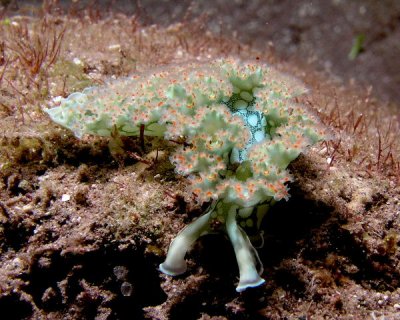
(241,128)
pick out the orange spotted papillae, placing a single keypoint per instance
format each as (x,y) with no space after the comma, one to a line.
(241,128)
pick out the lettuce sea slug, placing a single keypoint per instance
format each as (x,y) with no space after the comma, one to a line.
(241,130)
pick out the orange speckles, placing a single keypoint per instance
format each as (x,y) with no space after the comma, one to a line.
(238,188)
(251,187)
(179,157)
(297,145)
(272,187)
